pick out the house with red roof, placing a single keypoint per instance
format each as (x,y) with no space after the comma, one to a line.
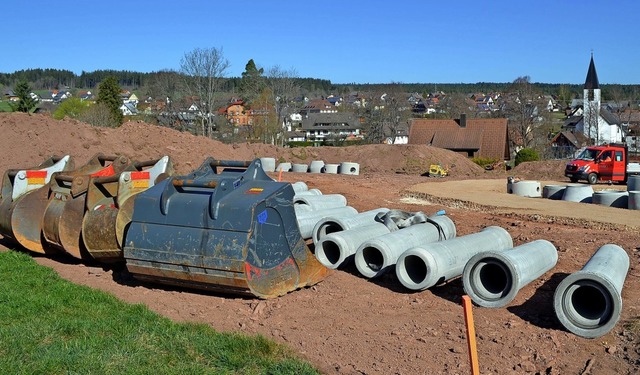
(478,137)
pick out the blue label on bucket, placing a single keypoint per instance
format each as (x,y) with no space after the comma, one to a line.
(262,217)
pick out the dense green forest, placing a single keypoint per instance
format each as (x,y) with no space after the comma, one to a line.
(48,79)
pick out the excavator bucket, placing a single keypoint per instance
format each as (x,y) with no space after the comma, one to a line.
(18,183)
(226,227)
(110,206)
(50,219)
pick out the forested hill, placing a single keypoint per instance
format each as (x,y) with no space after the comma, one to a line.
(47,79)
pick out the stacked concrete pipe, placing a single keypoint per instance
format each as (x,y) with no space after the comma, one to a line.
(268,164)
(316,166)
(285,167)
(578,193)
(424,266)
(375,256)
(526,189)
(554,192)
(307,220)
(493,278)
(330,168)
(318,202)
(333,224)
(349,168)
(336,249)
(611,198)
(634,200)
(299,168)
(299,187)
(588,303)
(307,192)
(633,183)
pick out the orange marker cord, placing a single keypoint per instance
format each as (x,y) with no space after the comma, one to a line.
(471,335)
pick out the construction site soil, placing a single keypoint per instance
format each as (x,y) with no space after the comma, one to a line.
(347,324)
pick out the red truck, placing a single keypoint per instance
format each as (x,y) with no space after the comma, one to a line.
(602,163)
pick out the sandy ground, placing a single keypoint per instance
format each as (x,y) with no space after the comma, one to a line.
(350,325)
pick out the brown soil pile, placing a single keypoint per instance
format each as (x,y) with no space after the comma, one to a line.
(29,138)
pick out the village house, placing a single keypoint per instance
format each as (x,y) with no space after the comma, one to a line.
(480,137)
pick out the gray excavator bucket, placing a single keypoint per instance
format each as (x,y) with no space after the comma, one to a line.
(227,226)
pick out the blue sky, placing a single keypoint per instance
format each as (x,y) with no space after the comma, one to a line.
(372,41)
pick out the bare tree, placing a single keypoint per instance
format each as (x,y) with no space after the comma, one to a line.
(283,86)
(205,69)
(455,103)
(523,106)
(98,115)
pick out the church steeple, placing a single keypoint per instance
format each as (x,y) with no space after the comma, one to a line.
(591,82)
(591,104)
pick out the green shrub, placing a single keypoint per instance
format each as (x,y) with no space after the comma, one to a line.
(483,162)
(526,154)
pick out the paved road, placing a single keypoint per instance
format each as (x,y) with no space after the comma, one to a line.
(492,195)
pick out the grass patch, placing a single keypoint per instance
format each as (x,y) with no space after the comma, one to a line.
(5,107)
(51,326)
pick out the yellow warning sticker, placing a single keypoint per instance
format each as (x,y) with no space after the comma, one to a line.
(140,184)
(254,191)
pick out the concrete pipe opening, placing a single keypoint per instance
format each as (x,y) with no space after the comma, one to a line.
(414,269)
(491,281)
(588,307)
(370,261)
(588,304)
(328,227)
(329,254)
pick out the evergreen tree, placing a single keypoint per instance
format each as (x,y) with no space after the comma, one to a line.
(25,102)
(109,95)
(252,82)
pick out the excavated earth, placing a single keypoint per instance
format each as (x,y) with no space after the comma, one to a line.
(347,324)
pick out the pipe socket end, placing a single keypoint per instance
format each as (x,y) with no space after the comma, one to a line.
(587,304)
(490,279)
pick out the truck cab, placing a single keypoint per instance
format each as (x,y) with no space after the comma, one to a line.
(599,163)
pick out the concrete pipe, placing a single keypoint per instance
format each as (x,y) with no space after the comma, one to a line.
(633,183)
(299,168)
(493,278)
(335,249)
(316,166)
(578,193)
(588,303)
(308,192)
(285,167)
(301,208)
(554,192)
(424,266)
(526,189)
(299,186)
(308,220)
(330,168)
(375,256)
(319,202)
(334,224)
(611,198)
(268,164)
(634,200)
(349,168)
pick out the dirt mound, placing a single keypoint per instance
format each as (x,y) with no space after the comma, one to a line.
(542,170)
(32,138)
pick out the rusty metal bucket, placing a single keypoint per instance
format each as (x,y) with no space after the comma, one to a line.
(18,183)
(53,214)
(109,206)
(227,227)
